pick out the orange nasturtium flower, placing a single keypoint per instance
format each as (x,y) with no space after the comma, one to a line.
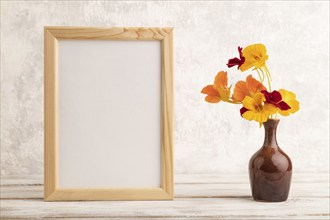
(255,109)
(290,99)
(248,88)
(219,91)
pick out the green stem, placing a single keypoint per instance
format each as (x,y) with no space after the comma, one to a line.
(232,102)
(261,78)
(268,79)
(259,75)
(266,68)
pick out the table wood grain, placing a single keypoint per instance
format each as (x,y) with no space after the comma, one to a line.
(197,196)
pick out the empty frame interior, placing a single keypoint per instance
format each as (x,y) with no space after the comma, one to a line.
(108,114)
(109,131)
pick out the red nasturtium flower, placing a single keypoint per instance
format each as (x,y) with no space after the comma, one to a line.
(237,61)
(275,98)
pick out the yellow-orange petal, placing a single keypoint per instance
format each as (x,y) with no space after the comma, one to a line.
(290,99)
(224,94)
(255,55)
(270,109)
(250,103)
(248,115)
(254,85)
(240,91)
(212,99)
(210,90)
(213,95)
(246,65)
(221,80)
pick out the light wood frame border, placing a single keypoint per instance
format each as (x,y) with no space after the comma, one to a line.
(51,190)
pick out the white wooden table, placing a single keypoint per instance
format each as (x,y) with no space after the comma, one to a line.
(199,196)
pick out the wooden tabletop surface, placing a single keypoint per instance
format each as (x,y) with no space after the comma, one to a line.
(197,196)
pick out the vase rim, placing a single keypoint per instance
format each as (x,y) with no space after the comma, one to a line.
(273,119)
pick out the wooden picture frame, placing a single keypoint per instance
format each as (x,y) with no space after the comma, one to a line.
(52,190)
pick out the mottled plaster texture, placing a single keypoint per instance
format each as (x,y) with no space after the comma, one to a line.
(208,138)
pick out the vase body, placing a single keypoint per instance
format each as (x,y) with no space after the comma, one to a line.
(270,168)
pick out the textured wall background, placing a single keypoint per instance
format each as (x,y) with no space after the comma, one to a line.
(208,138)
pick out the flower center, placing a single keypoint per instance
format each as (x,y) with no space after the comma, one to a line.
(258,57)
(258,108)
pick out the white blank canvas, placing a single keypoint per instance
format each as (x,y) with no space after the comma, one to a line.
(109,116)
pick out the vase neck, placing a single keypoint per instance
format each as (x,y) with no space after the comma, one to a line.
(270,133)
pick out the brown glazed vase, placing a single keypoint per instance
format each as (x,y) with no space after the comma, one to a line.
(270,169)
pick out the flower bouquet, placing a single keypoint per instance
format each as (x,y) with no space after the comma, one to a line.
(259,103)
(270,168)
